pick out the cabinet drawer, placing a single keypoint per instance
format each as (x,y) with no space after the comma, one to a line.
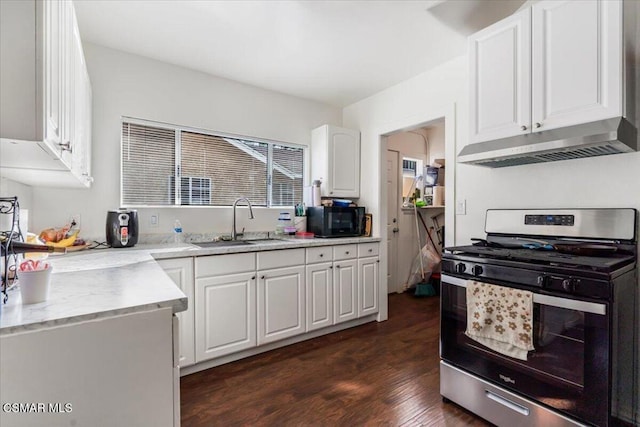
(368,249)
(277,259)
(322,254)
(218,265)
(345,252)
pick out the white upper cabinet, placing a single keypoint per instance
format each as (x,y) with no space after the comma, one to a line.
(45,111)
(335,160)
(555,64)
(500,84)
(577,62)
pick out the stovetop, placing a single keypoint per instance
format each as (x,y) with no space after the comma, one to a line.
(609,263)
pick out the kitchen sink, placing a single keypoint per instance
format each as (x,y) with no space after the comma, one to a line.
(221,243)
(224,243)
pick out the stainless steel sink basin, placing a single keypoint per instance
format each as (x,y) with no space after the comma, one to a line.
(221,243)
(224,243)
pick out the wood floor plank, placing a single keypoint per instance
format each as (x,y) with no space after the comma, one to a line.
(382,374)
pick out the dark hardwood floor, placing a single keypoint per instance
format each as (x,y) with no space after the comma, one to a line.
(376,374)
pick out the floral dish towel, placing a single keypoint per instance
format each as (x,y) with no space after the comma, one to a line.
(500,318)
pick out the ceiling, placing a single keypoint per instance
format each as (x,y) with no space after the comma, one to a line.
(334,52)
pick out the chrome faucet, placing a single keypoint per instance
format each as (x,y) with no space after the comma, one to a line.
(234,233)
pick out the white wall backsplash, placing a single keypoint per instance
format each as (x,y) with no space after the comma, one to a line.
(130,85)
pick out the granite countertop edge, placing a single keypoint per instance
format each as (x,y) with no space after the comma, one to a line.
(99,284)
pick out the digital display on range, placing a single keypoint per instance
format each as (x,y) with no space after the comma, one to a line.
(566,220)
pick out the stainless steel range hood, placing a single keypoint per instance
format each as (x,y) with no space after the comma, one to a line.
(611,136)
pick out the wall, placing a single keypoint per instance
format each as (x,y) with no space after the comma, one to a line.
(24,193)
(130,85)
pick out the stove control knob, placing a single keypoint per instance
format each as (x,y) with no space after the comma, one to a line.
(460,267)
(477,270)
(569,285)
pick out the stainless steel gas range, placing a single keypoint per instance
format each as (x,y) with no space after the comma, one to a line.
(572,276)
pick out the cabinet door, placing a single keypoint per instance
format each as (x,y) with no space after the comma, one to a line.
(577,62)
(80,110)
(225,315)
(281,304)
(368,286)
(54,12)
(180,270)
(319,295)
(500,79)
(345,290)
(344,162)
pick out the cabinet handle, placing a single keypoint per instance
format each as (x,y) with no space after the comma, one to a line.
(66,146)
(262,277)
(337,266)
(370,250)
(331,266)
(321,255)
(253,278)
(538,125)
(378,261)
(523,128)
(346,253)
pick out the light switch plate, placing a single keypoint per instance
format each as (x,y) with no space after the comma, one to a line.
(154,220)
(461,207)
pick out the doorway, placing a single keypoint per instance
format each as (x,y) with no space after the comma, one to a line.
(414,149)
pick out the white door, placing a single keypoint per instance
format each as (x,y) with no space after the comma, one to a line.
(345,290)
(319,295)
(180,270)
(500,79)
(368,286)
(281,304)
(225,315)
(393,208)
(577,63)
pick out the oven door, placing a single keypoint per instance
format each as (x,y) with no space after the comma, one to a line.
(569,369)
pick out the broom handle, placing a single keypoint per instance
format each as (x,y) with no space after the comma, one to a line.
(415,211)
(428,233)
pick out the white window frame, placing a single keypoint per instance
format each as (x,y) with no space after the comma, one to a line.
(178,156)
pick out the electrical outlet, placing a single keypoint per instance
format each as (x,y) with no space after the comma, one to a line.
(461,207)
(75,218)
(154,220)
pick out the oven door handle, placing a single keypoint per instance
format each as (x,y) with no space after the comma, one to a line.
(570,304)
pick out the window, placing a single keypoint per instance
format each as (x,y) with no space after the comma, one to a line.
(213,169)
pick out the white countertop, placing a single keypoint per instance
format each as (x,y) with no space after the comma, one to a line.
(102,283)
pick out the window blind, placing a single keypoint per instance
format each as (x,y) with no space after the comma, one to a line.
(236,168)
(148,155)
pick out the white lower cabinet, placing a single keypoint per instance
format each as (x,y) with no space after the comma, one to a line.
(319,295)
(281,295)
(281,304)
(225,304)
(241,301)
(345,290)
(368,286)
(226,320)
(180,270)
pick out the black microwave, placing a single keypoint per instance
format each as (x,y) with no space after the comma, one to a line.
(334,221)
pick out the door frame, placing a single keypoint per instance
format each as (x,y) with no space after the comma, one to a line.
(398,204)
(415,121)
